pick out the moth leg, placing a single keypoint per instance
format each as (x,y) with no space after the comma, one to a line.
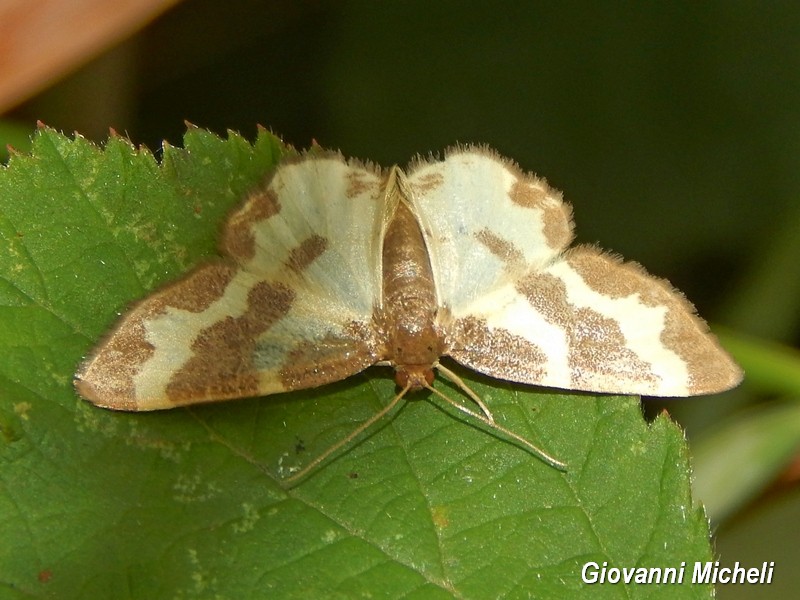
(290,482)
(462,385)
(538,452)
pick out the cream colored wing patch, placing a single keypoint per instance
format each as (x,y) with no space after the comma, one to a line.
(484,221)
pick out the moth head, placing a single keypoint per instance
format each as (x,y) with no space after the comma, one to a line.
(414,377)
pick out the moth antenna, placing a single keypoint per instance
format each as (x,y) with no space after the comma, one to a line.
(290,482)
(538,452)
(448,374)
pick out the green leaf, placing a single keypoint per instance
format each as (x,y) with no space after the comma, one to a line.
(771,367)
(189,503)
(736,460)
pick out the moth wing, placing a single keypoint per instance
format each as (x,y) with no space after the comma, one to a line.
(514,305)
(483,218)
(288,307)
(590,322)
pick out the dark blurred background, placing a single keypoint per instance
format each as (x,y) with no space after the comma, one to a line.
(672,128)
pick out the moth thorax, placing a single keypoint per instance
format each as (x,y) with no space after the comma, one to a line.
(415,377)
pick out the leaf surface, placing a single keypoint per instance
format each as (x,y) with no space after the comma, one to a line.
(189,503)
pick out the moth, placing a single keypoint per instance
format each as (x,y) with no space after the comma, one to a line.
(336,265)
